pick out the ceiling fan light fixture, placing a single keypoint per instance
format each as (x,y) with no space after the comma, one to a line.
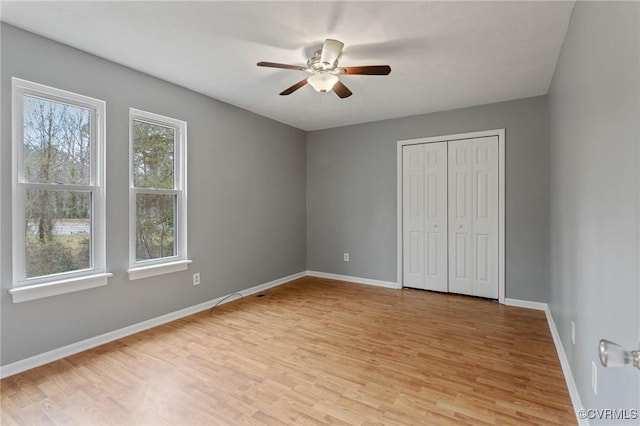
(323,81)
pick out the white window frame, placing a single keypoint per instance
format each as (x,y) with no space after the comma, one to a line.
(179,261)
(24,288)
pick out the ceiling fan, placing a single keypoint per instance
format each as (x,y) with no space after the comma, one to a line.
(324,67)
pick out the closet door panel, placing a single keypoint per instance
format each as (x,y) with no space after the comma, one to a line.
(436,273)
(485,220)
(460,171)
(413,189)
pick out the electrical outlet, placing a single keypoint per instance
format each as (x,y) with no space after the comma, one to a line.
(196,278)
(346,257)
(573,333)
(594,378)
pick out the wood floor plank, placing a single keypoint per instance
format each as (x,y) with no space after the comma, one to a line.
(313,351)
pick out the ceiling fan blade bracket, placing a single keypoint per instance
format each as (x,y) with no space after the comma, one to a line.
(331,51)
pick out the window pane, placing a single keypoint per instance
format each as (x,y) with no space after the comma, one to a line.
(153,147)
(155,231)
(58,232)
(56,141)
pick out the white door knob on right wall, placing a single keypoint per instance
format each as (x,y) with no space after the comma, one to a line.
(614,355)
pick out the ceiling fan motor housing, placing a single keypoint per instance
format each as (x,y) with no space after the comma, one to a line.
(316,65)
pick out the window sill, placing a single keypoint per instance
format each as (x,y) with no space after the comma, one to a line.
(54,288)
(157,269)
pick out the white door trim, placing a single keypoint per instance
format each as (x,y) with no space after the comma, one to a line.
(500,133)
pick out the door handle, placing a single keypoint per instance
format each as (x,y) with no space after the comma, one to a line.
(614,355)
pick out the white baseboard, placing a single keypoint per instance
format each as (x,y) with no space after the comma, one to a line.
(74,348)
(566,369)
(271,284)
(357,280)
(539,306)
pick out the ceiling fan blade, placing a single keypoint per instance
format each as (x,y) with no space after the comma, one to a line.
(331,50)
(341,90)
(293,88)
(368,70)
(283,66)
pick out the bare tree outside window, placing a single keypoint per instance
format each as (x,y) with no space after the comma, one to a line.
(153,169)
(155,226)
(56,151)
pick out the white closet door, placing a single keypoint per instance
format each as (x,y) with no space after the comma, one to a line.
(413,215)
(485,217)
(436,273)
(425,216)
(460,216)
(473,217)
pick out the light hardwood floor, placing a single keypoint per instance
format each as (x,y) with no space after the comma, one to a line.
(313,351)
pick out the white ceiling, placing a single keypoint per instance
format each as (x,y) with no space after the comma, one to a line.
(443,55)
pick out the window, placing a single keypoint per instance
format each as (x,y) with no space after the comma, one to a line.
(158,208)
(58,191)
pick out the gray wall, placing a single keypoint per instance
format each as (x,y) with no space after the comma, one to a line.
(351,192)
(246,177)
(594,110)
